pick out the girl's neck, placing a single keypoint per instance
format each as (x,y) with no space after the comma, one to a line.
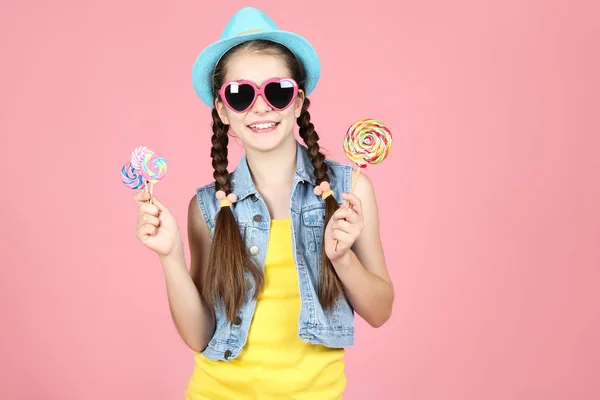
(274,168)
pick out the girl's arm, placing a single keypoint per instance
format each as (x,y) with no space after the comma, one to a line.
(362,267)
(193,319)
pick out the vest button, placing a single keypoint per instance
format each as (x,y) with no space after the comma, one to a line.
(238,320)
(257,218)
(254,250)
(227,354)
(254,198)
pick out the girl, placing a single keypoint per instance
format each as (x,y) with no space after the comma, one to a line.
(277,266)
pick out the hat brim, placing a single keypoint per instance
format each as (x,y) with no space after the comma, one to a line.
(208,58)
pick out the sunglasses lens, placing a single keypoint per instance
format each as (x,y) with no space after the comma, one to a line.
(280,94)
(239,97)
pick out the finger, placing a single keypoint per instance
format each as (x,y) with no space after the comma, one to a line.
(141,197)
(344,239)
(348,214)
(354,202)
(147,230)
(160,205)
(147,208)
(347,227)
(150,219)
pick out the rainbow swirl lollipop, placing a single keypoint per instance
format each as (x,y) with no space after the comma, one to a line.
(154,167)
(367,141)
(130,177)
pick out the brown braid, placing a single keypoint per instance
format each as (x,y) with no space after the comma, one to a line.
(228,259)
(330,288)
(219,152)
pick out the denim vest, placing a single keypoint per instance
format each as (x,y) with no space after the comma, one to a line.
(315,325)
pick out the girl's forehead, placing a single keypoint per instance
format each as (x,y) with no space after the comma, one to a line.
(255,67)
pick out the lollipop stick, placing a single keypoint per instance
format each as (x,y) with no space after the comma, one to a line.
(151,191)
(348,203)
(355,180)
(147,190)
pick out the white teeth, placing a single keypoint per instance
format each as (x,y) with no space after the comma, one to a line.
(263,126)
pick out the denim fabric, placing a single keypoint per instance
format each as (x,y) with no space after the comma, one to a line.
(315,325)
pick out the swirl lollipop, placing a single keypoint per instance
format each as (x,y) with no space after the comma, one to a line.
(143,167)
(367,141)
(154,168)
(130,177)
(137,156)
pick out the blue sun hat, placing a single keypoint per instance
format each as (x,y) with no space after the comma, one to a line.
(250,23)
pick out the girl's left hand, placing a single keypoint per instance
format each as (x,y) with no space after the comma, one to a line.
(345,226)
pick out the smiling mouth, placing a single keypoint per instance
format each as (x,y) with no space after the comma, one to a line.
(259,127)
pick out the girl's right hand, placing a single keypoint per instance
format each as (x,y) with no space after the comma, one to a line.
(157,227)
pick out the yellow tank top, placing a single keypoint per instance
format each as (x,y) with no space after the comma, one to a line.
(275,363)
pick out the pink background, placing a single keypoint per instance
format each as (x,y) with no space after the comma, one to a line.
(489,199)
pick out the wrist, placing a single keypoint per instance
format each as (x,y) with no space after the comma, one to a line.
(174,257)
(344,261)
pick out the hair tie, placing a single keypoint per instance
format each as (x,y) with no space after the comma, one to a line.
(225,201)
(323,190)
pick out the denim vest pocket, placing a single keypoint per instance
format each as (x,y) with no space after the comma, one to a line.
(313,221)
